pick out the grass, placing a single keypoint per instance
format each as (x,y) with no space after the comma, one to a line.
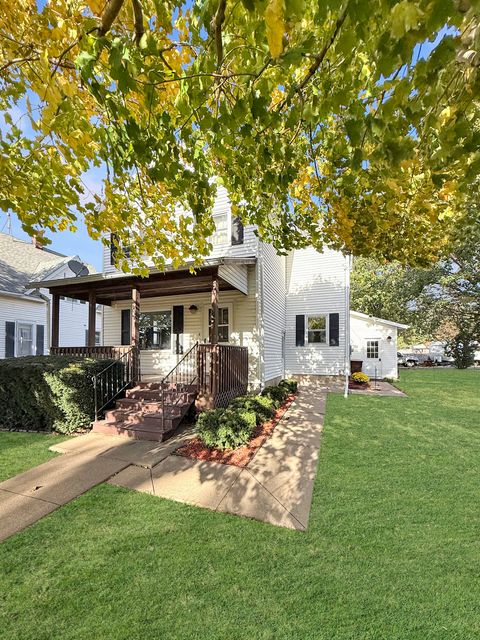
(21,451)
(392,550)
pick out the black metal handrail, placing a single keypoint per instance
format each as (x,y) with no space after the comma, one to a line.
(184,373)
(109,383)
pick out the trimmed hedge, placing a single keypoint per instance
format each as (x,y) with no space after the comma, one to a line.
(226,428)
(48,392)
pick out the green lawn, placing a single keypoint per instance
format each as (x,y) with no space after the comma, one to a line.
(21,451)
(392,552)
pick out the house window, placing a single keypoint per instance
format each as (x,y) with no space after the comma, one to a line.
(155,329)
(372,349)
(317,329)
(223,323)
(220,235)
(24,339)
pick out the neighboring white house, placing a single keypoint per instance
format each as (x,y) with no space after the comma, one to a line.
(373,341)
(25,313)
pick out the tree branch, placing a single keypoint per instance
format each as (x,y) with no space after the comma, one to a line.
(216,29)
(138,21)
(109,15)
(318,59)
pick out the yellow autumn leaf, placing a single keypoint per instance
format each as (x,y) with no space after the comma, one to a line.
(275,23)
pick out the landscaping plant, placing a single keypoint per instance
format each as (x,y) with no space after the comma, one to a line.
(360,378)
(48,392)
(226,428)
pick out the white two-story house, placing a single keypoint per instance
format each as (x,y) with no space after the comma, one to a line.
(289,312)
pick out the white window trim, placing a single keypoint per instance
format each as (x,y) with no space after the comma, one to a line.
(228,242)
(377,340)
(170,309)
(327,330)
(228,306)
(33,324)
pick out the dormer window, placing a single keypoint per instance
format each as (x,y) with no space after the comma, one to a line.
(228,230)
(220,235)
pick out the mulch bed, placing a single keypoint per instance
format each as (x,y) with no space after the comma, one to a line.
(356,385)
(240,457)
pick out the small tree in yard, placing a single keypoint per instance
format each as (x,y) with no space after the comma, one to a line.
(463,345)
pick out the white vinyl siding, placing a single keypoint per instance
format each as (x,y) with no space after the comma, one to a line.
(315,285)
(242,325)
(21,311)
(364,333)
(273,311)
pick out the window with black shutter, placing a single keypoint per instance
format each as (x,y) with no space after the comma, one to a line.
(9,339)
(300,331)
(334,329)
(114,244)
(40,339)
(125,326)
(237,231)
(178,321)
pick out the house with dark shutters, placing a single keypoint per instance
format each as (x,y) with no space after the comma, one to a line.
(25,311)
(245,319)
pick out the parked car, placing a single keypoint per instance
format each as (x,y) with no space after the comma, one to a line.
(407,361)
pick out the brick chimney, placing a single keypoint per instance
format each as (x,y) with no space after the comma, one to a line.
(37,240)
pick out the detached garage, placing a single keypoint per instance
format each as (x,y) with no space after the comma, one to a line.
(373,345)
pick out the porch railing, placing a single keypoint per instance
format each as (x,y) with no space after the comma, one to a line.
(222,371)
(100,353)
(110,382)
(179,380)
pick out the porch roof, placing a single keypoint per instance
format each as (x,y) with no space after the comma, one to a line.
(110,287)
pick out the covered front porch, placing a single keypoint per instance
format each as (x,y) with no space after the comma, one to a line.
(173,325)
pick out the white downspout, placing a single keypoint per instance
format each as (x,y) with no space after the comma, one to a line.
(348,267)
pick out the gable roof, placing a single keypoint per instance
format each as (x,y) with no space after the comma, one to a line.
(365,316)
(21,262)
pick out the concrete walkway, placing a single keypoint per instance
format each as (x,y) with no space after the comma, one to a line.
(276,486)
(88,461)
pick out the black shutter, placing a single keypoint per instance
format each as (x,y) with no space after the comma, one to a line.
(125,326)
(40,339)
(178,319)
(237,231)
(113,248)
(9,339)
(300,331)
(334,329)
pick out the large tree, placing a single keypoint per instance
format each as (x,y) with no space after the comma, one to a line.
(440,302)
(347,123)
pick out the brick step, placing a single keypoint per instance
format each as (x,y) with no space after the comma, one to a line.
(137,432)
(152,386)
(152,404)
(140,417)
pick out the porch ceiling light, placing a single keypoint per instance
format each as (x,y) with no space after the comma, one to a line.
(193,308)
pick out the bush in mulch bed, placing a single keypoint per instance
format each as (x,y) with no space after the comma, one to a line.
(233,435)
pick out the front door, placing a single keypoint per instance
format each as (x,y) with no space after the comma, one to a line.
(372,365)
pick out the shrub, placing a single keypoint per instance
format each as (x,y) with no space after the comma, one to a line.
(276,394)
(226,428)
(290,385)
(360,378)
(262,406)
(48,392)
